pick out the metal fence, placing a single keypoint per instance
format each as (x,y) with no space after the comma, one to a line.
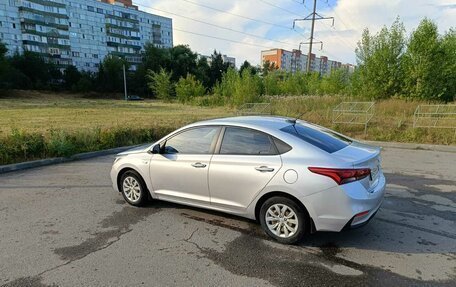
(354,113)
(251,109)
(435,116)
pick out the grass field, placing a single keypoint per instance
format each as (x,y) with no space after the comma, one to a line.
(45,125)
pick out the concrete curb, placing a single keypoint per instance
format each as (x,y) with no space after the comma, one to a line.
(49,161)
(414,146)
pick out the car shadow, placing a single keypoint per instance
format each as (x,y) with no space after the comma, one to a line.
(380,234)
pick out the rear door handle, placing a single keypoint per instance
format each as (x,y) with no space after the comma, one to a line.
(264,169)
(199,165)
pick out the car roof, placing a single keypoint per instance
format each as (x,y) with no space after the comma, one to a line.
(260,122)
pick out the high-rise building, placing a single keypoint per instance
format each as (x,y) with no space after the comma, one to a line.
(81,32)
(293,61)
(225,58)
(230,60)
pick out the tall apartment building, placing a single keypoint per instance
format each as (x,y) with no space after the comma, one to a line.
(225,58)
(81,32)
(293,61)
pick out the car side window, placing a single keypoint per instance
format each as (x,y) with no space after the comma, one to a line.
(193,141)
(243,141)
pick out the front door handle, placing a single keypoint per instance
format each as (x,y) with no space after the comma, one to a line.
(264,169)
(199,165)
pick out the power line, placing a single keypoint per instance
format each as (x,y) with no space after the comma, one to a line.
(280,8)
(220,38)
(219,26)
(313,16)
(332,30)
(237,15)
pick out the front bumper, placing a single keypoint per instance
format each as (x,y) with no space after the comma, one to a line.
(334,209)
(113,175)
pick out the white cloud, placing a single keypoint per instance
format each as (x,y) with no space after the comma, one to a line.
(351,17)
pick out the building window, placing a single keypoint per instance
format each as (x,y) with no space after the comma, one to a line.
(90,8)
(95,56)
(14,26)
(99,10)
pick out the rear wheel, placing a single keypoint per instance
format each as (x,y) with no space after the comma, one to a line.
(283,219)
(133,188)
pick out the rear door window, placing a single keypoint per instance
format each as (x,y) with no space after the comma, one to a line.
(243,141)
(321,138)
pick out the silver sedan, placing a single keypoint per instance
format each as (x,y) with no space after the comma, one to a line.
(290,175)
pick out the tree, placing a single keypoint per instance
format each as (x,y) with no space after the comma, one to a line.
(110,74)
(188,88)
(448,48)
(4,66)
(247,88)
(71,77)
(380,60)
(247,65)
(336,83)
(3,51)
(160,83)
(183,62)
(268,67)
(33,68)
(426,61)
(203,71)
(217,68)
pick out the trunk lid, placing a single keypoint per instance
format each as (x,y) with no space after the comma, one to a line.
(360,155)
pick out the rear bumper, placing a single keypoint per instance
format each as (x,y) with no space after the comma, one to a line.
(336,208)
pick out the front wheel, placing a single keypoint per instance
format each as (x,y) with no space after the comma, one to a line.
(133,188)
(283,220)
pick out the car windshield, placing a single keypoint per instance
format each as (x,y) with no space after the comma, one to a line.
(324,139)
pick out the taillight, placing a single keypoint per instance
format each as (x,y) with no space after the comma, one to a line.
(341,176)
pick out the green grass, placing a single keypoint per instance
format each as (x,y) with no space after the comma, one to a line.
(39,125)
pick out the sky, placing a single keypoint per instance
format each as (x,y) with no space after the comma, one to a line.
(267,24)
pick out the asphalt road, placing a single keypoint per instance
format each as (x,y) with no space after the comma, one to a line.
(63,225)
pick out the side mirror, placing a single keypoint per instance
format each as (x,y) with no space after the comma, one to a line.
(156,149)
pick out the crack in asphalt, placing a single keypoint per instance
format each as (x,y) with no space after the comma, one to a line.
(248,255)
(447,235)
(120,220)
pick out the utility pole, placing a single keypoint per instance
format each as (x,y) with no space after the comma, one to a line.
(313,17)
(125,82)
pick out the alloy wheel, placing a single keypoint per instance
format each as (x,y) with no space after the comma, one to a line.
(281,220)
(131,189)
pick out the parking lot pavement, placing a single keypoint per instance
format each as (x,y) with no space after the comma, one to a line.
(63,225)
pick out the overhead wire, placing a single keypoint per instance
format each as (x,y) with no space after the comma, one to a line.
(237,15)
(219,26)
(223,39)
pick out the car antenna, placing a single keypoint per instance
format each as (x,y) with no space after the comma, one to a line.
(294,121)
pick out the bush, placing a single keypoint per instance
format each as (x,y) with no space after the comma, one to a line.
(60,144)
(160,83)
(21,146)
(189,88)
(239,89)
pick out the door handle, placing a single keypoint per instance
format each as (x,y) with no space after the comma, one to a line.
(264,169)
(199,165)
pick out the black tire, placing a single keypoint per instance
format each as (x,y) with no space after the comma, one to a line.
(143,192)
(300,215)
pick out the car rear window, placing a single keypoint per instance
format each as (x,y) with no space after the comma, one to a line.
(321,138)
